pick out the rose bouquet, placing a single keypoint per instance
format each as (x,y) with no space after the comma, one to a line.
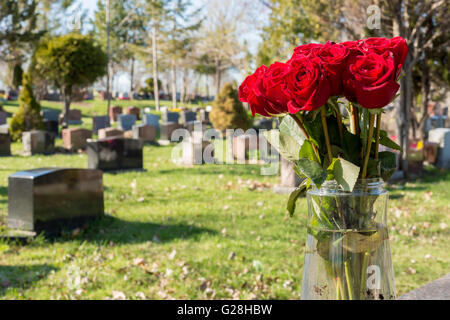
(330,97)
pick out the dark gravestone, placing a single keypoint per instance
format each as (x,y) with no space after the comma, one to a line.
(51,126)
(266,124)
(188,116)
(51,115)
(3,117)
(151,120)
(54,198)
(126,122)
(436,290)
(170,117)
(5,144)
(100,122)
(166,130)
(204,116)
(115,154)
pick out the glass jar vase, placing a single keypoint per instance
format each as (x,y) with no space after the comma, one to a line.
(347,254)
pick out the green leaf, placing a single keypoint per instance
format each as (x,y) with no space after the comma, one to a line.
(294,196)
(312,170)
(346,174)
(289,127)
(388,164)
(385,141)
(285,145)
(307,152)
(352,147)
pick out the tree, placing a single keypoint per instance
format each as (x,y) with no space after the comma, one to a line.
(219,46)
(18,32)
(119,28)
(228,111)
(69,61)
(28,115)
(179,36)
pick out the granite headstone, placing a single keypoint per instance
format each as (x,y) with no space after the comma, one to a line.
(53,199)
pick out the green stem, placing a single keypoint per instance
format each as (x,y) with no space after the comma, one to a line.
(369,145)
(362,287)
(377,135)
(355,119)
(341,287)
(348,280)
(323,115)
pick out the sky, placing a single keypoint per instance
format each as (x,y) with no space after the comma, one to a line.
(122,82)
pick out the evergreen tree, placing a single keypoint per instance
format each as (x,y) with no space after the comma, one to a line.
(228,112)
(28,115)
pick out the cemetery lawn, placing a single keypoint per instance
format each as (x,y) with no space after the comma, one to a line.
(210,231)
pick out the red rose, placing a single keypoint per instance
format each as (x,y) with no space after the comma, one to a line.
(396,45)
(399,48)
(370,80)
(376,45)
(270,87)
(333,57)
(250,91)
(306,84)
(304,50)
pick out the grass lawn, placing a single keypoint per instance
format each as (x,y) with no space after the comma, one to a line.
(208,231)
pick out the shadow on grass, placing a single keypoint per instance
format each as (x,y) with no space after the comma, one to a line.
(22,276)
(111,229)
(4,194)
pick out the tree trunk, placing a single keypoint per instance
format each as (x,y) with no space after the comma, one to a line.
(173,79)
(67,100)
(132,78)
(155,69)
(207,86)
(403,116)
(218,78)
(425,98)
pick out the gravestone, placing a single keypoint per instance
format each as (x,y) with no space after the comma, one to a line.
(415,161)
(437,290)
(128,134)
(441,136)
(126,121)
(51,126)
(187,116)
(264,123)
(74,117)
(193,148)
(166,130)
(110,132)
(243,145)
(195,125)
(114,112)
(144,132)
(38,142)
(288,176)
(170,117)
(204,116)
(289,179)
(5,144)
(75,138)
(51,115)
(100,122)
(115,154)
(430,152)
(54,198)
(135,111)
(3,117)
(151,120)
